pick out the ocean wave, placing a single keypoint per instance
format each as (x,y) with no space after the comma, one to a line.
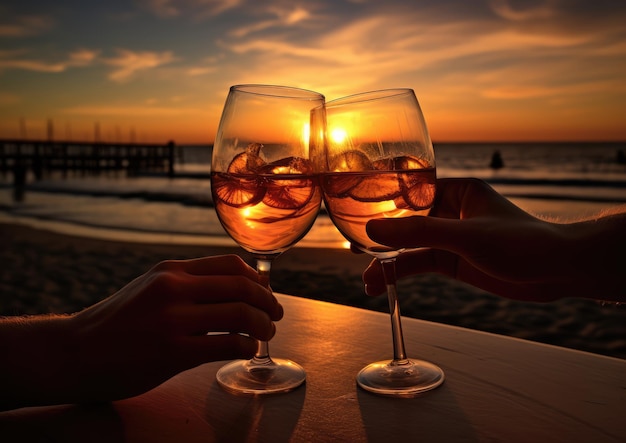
(194,190)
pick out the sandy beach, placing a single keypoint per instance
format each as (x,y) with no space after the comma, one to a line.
(46,272)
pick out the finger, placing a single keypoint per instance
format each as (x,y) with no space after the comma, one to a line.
(464,213)
(462,198)
(418,231)
(202,349)
(220,289)
(355,249)
(420,261)
(445,263)
(230,264)
(229,288)
(226,317)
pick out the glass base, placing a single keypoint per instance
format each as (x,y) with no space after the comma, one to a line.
(270,376)
(406,378)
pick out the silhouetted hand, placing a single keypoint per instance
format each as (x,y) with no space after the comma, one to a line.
(153,328)
(475,235)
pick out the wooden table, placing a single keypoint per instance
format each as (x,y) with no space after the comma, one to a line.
(497,389)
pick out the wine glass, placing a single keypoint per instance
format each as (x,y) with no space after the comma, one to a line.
(376,160)
(266,198)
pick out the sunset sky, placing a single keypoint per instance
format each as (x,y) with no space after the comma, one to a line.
(156,70)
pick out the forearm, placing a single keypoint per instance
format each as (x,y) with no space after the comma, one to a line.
(38,366)
(598,266)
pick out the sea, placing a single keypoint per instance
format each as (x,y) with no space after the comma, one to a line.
(562,181)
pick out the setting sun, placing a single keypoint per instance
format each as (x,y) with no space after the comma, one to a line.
(338,135)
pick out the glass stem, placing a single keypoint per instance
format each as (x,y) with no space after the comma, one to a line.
(262,355)
(389,272)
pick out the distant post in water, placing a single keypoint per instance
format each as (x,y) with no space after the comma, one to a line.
(19,175)
(171,146)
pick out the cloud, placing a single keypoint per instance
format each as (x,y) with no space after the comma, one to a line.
(161,8)
(363,50)
(283,18)
(278,48)
(15,60)
(453,62)
(522,11)
(25,26)
(296,16)
(82,57)
(128,63)
(577,89)
(191,8)
(361,43)
(207,65)
(33,65)
(211,8)
(518,92)
(132,111)
(201,70)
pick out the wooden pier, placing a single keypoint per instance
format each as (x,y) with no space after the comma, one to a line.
(89,158)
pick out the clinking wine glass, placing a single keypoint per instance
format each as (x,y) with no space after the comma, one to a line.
(376,160)
(266,198)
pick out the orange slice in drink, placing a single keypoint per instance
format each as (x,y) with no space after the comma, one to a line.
(377,186)
(418,188)
(237,190)
(350,161)
(384,164)
(288,183)
(247,162)
(339,185)
(239,186)
(418,191)
(408,162)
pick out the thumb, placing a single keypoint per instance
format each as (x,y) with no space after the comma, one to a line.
(423,232)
